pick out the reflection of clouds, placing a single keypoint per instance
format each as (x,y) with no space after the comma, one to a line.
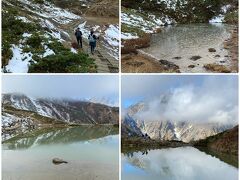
(185,163)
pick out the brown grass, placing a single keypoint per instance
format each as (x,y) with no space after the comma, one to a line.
(131,45)
(138,63)
(232,46)
(217,68)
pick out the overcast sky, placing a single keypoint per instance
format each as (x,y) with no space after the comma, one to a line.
(192,98)
(101,88)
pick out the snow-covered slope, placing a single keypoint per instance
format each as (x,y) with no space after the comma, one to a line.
(49,23)
(67,111)
(149,15)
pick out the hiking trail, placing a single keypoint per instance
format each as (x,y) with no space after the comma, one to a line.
(105,63)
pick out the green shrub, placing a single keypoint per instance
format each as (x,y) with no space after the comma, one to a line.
(34,41)
(12,31)
(57,47)
(232,17)
(6,53)
(39,1)
(66,62)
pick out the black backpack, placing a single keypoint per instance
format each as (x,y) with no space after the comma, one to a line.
(78,33)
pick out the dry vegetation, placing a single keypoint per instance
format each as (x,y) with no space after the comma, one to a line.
(131,46)
(232,46)
(217,68)
(140,63)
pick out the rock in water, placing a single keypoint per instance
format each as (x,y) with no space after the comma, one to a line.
(58,161)
(212,50)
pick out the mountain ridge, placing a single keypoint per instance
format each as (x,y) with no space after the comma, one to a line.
(163,129)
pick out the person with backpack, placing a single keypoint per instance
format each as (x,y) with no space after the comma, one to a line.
(78,35)
(92,41)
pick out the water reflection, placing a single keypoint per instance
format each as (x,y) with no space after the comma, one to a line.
(60,135)
(92,152)
(186,163)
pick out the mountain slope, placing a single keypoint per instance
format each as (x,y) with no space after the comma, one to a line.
(225,142)
(68,111)
(38,36)
(149,16)
(162,129)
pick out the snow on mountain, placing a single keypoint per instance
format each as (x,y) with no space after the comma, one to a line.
(51,23)
(48,10)
(221,17)
(70,111)
(169,130)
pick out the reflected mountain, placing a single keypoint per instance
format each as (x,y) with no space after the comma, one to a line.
(227,158)
(59,135)
(175,163)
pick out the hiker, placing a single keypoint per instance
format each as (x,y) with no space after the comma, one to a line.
(92,41)
(78,35)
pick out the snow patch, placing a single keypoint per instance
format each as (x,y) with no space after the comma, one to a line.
(48,10)
(128,36)
(20,61)
(112,35)
(48,51)
(217,19)
(73,50)
(24,19)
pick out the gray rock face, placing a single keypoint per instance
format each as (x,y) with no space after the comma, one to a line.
(69,111)
(170,130)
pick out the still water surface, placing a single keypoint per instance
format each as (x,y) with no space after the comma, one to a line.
(91,152)
(185,41)
(184,163)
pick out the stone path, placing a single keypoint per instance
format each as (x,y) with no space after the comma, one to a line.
(105,63)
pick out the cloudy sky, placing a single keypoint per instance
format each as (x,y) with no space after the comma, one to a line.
(190,98)
(99,88)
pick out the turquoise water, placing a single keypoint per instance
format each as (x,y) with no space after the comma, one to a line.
(91,152)
(184,163)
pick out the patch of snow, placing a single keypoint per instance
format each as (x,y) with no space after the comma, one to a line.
(112,35)
(26,35)
(128,36)
(177,134)
(73,50)
(39,109)
(217,19)
(46,23)
(8,119)
(148,26)
(48,10)
(48,52)
(20,61)
(226,8)
(24,19)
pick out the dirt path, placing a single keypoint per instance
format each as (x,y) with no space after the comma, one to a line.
(105,63)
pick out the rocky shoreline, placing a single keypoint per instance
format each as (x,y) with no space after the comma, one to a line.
(232,46)
(141,144)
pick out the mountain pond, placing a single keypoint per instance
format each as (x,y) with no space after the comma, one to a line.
(179,43)
(180,163)
(92,152)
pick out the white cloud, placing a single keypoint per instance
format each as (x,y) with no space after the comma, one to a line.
(214,99)
(100,88)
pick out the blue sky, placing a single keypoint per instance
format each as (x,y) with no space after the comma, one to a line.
(138,88)
(102,88)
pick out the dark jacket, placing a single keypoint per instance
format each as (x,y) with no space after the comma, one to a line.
(78,33)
